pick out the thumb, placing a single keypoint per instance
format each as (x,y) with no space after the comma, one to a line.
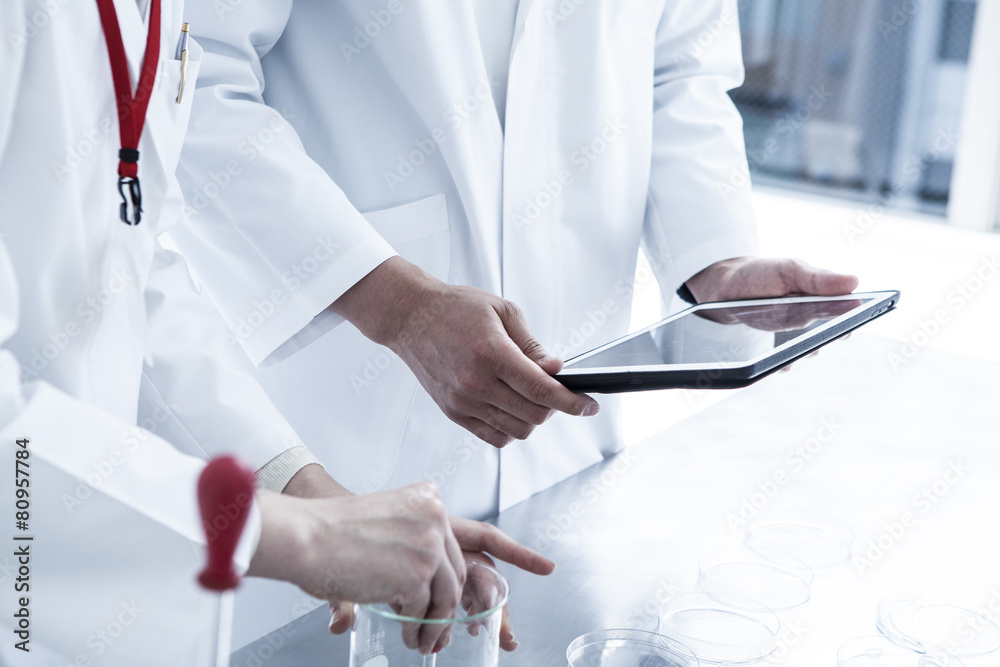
(341,616)
(517,328)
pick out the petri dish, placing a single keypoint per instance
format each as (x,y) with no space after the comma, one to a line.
(628,648)
(877,651)
(767,578)
(919,621)
(728,629)
(818,540)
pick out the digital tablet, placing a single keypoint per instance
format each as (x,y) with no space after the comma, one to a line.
(722,345)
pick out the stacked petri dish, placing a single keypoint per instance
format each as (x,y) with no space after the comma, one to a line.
(818,540)
(929,622)
(924,630)
(877,651)
(768,578)
(628,648)
(733,618)
(721,629)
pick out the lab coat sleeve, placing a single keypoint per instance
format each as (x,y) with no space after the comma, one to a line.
(11,64)
(699,210)
(116,539)
(201,383)
(271,236)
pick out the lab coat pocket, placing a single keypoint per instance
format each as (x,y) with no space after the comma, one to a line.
(419,232)
(168,118)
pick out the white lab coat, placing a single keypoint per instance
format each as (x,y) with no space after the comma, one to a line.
(618,131)
(624,102)
(90,309)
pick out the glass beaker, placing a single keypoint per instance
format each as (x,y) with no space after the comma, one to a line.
(474,635)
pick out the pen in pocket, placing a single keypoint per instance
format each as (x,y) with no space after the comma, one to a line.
(182,55)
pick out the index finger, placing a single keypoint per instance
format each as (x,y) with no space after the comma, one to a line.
(487,538)
(526,378)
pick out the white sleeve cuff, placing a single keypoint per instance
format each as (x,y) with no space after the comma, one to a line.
(249,540)
(292,321)
(276,473)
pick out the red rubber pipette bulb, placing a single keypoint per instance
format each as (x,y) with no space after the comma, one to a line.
(225,496)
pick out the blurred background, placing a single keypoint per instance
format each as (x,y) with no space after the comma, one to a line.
(873,137)
(860,99)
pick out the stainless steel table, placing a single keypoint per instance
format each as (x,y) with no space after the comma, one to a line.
(862,432)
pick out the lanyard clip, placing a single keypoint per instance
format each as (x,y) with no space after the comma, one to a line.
(135,194)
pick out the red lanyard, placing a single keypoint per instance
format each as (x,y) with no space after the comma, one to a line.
(131,110)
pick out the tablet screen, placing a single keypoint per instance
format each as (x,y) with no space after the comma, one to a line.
(724,335)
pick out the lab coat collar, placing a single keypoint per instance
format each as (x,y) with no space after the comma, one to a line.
(133,25)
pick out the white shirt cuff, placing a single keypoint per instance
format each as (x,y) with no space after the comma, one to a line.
(276,473)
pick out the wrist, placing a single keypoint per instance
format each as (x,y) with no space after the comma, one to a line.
(312,481)
(381,303)
(286,535)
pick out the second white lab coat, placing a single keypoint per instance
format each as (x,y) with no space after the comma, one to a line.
(90,310)
(619,132)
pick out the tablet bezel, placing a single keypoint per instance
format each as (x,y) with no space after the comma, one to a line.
(722,374)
